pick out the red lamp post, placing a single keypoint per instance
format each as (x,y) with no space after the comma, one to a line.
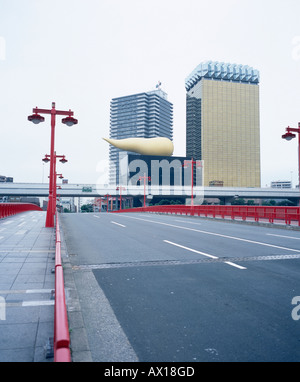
(55,189)
(62,160)
(107,196)
(69,121)
(144,178)
(289,136)
(191,162)
(120,188)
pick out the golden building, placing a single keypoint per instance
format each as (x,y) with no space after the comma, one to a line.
(222,123)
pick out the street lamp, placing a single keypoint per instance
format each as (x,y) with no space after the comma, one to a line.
(144,178)
(288,136)
(185,165)
(69,121)
(107,196)
(63,160)
(36,118)
(120,188)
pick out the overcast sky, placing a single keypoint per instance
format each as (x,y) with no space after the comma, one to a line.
(83,53)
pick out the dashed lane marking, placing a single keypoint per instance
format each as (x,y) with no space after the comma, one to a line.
(121,225)
(204,254)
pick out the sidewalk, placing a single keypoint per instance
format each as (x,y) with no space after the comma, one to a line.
(27,251)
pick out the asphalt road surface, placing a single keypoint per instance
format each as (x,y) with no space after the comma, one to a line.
(170,288)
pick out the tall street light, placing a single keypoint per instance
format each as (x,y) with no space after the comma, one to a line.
(69,121)
(62,160)
(144,178)
(192,162)
(107,196)
(120,188)
(288,136)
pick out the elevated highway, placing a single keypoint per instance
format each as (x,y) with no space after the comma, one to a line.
(96,190)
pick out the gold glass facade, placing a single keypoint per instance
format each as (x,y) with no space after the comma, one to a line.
(226,134)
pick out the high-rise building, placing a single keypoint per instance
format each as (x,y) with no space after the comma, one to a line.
(222,123)
(143,115)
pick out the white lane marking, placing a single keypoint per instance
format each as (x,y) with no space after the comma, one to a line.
(2,229)
(27,251)
(19,225)
(234,265)
(204,254)
(214,234)
(8,222)
(38,303)
(181,221)
(22,291)
(121,225)
(289,237)
(95,216)
(190,249)
(39,290)
(21,232)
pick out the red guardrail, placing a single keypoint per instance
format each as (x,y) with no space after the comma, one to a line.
(61,328)
(8,209)
(256,213)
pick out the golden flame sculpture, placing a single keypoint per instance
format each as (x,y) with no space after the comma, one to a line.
(145,146)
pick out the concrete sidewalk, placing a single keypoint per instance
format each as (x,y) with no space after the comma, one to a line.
(27,251)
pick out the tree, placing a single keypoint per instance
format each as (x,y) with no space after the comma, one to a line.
(87,208)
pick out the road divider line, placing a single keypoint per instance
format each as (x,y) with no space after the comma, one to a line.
(190,249)
(288,237)
(203,253)
(181,221)
(214,234)
(121,225)
(21,232)
(234,265)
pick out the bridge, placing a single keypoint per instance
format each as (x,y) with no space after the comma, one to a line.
(95,190)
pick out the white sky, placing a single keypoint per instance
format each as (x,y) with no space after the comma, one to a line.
(82,53)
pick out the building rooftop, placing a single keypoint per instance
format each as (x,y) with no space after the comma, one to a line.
(223,72)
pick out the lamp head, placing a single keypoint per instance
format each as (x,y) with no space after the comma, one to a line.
(36,118)
(288,136)
(69,121)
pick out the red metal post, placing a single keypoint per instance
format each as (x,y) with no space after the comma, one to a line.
(144,178)
(50,210)
(69,120)
(299,154)
(192,162)
(288,136)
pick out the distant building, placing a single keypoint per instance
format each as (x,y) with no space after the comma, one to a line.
(4,179)
(222,123)
(163,171)
(143,115)
(281,184)
(165,177)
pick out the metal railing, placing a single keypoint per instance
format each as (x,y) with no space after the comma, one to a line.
(61,341)
(271,214)
(8,209)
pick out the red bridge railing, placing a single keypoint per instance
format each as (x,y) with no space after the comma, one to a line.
(61,341)
(271,214)
(8,209)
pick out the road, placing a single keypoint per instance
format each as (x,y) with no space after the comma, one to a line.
(170,288)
